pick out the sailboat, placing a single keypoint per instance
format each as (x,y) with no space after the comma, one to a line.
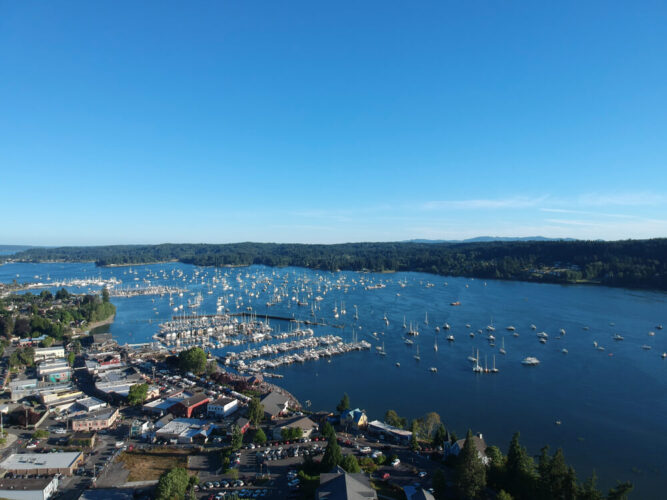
(404,325)
(416,356)
(477,368)
(426,319)
(356,313)
(382,352)
(494,369)
(435,344)
(502,349)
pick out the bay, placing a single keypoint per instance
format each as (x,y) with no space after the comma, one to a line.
(611,404)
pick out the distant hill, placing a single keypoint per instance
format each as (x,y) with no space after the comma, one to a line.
(627,263)
(486,239)
(12,249)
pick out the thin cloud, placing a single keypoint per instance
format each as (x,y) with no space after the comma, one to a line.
(637,199)
(485,203)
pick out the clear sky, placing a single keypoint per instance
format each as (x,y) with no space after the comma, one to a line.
(148,122)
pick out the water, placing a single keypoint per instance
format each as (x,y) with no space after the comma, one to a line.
(612,403)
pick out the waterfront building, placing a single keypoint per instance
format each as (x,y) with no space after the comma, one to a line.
(307,426)
(341,485)
(394,433)
(275,404)
(354,418)
(186,407)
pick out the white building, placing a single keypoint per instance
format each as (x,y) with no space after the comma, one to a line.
(42,353)
(91,404)
(222,407)
(28,489)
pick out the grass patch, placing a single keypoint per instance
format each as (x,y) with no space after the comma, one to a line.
(147,465)
(388,490)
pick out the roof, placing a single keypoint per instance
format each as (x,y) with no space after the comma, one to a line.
(90,401)
(186,427)
(104,414)
(195,400)
(274,403)
(390,429)
(33,484)
(222,401)
(107,494)
(241,422)
(479,443)
(413,493)
(26,461)
(301,422)
(355,414)
(341,485)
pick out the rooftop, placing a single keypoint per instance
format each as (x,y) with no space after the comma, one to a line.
(32,484)
(26,461)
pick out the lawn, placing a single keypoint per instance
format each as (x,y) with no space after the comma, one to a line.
(147,465)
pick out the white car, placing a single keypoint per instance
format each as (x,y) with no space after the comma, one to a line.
(365,449)
(395,462)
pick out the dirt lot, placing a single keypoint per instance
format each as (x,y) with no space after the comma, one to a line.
(146,465)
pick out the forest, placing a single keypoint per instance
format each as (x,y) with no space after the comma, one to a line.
(626,263)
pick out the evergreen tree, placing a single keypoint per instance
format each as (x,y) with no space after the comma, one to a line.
(260,436)
(172,484)
(520,476)
(496,472)
(328,432)
(344,404)
(333,456)
(255,411)
(237,438)
(503,495)
(620,491)
(414,443)
(439,436)
(470,471)
(439,484)
(589,490)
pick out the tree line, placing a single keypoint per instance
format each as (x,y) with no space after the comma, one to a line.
(627,263)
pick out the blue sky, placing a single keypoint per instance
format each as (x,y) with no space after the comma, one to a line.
(148,122)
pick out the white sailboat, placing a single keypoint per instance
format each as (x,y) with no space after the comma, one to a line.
(435,344)
(416,356)
(502,348)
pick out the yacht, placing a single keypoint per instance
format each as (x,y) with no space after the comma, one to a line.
(446,326)
(646,347)
(510,328)
(450,338)
(617,337)
(398,364)
(533,327)
(408,342)
(472,356)
(564,351)
(433,369)
(530,361)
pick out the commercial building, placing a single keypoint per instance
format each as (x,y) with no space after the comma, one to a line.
(162,406)
(55,370)
(91,404)
(42,353)
(42,463)
(102,419)
(186,430)
(186,407)
(275,404)
(341,485)
(61,396)
(102,361)
(222,407)
(28,489)
(306,425)
(382,429)
(118,382)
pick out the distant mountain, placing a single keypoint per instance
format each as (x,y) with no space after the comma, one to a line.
(487,239)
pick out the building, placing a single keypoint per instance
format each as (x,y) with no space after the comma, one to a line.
(243,424)
(354,418)
(59,397)
(275,404)
(414,493)
(28,489)
(222,407)
(55,370)
(42,353)
(186,407)
(118,382)
(340,485)
(478,441)
(139,427)
(85,439)
(99,362)
(101,419)
(102,341)
(389,431)
(306,425)
(42,463)
(91,404)
(186,430)
(24,388)
(161,406)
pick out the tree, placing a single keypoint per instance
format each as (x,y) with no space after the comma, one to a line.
(22,327)
(260,436)
(620,491)
(520,476)
(237,438)
(172,484)
(71,357)
(470,471)
(105,295)
(496,471)
(47,342)
(137,394)
(589,490)
(503,495)
(40,434)
(6,326)
(350,464)
(62,294)
(439,484)
(328,431)
(344,404)
(414,443)
(392,418)
(439,436)
(255,411)
(333,456)
(429,424)
(291,433)
(192,360)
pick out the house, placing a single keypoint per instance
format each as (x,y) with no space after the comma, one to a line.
(101,419)
(28,488)
(340,485)
(186,430)
(478,441)
(306,425)
(161,406)
(42,353)
(186,407)
(382,429)
(42,463)
(222,407)
(275,404)
(354,418)
(139,427)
